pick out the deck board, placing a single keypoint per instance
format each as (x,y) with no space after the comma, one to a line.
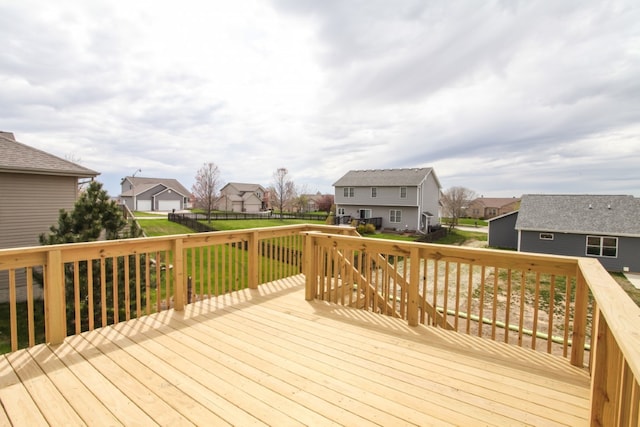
(268,357)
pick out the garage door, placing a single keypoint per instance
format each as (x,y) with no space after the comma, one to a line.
(143,205)
(168,205)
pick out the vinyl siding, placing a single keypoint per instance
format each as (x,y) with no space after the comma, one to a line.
(386,196)
(30,204)
(575,245)
(502,232)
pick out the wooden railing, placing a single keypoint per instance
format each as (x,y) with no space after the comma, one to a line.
(60,290)
(562,305)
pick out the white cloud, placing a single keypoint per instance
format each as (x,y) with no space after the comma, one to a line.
(502,97)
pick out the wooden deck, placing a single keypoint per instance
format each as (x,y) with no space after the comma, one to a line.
(269,357)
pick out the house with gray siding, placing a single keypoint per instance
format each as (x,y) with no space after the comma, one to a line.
(404,199)
(34,187)
(502,231)
(153,194)
(605,227)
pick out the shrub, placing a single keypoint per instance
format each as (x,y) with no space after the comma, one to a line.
(366,229)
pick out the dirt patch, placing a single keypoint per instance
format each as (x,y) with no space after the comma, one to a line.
(473,243)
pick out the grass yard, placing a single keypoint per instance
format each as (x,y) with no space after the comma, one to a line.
(240,224)
(162,227)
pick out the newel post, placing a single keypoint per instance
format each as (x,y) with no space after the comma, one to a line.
(178,274)
(254,244)
(55,311)
(579,320)
(414,280)
(309,267)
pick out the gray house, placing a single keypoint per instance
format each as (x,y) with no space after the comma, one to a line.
(403,199)
(606,227)
(502,231)
(153,194)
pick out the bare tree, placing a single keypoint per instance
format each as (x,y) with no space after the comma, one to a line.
(205,188)
(282,190)
(454,201)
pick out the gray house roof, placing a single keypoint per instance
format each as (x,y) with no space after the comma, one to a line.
(385,177)
(617,215)
(16,157)
(142,184)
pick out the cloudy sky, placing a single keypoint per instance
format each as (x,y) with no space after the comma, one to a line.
(502,97)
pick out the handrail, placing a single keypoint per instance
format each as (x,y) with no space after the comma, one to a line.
(87,285)
(571,300)
(347,270)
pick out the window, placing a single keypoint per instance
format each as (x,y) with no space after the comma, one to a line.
(364,213)
(395,215)
(374,192)
(602,246)
(403,192)
(340,211)
(349,191)
(546,236)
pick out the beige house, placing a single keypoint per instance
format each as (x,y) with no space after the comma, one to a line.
(490,207)
(34,186)
(242,197)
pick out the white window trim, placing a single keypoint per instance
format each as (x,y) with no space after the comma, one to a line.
(365,213)
(601,238)
(374,192)
(398,213)
(349,192)
(405,192)
(546,236)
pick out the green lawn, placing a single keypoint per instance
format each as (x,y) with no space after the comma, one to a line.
(162,227)
(240,224)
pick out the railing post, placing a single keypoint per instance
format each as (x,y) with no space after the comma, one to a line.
(178,274)
(54,296)
(579,320)
(253,255)
(414,280)
(309,267)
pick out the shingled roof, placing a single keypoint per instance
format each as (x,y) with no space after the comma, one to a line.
(616,215)
(385,177)
(142,184)
(16,157)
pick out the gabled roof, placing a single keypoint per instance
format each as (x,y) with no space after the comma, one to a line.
(16,157)
(495,202)
(617,215)
(385,177)
(244,187)
(142,184)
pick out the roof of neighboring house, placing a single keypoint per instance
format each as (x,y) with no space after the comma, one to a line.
(580,214)
(16,157)
(142,184)
(503,216)
(385,177)
(494,202)
(244,187)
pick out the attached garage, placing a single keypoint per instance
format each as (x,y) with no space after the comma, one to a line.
(143,205)
(168,205)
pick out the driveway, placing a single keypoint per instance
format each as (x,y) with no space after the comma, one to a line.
(634,278)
